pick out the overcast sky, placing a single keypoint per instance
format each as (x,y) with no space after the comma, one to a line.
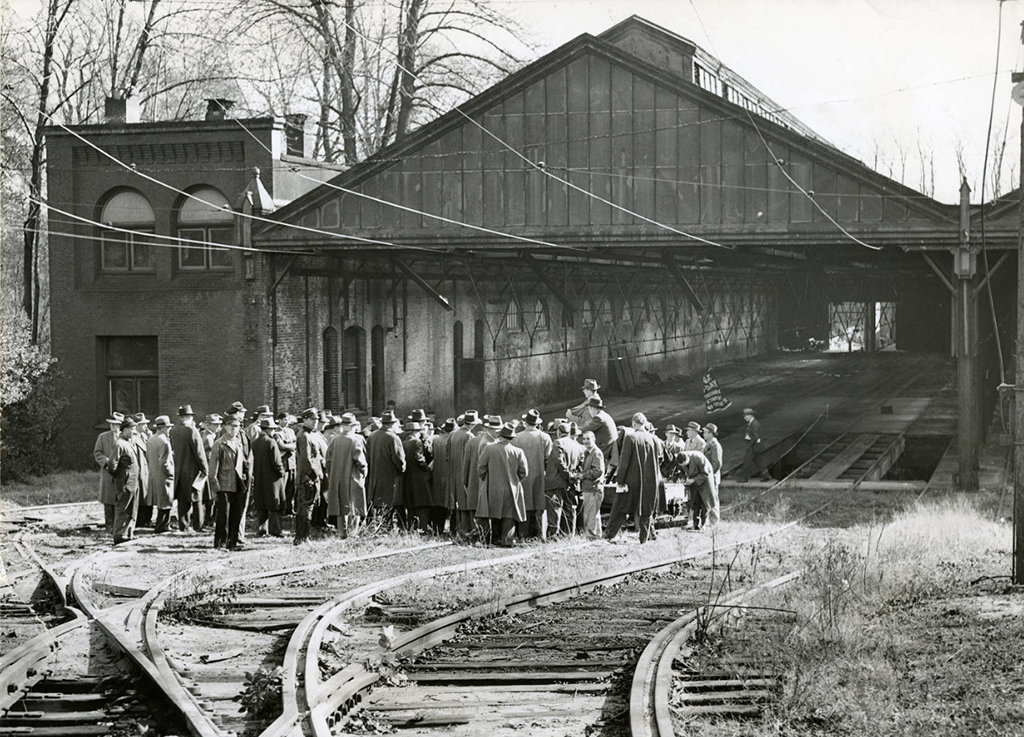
(856,71)
(865,74)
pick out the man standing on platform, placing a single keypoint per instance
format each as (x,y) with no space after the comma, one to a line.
(584,412)
(123,467)
(640,474)
(101,452)
(753,464)
(603,427)
(268,479)
(190,469)
(500,505)
(160,460)
(536,444)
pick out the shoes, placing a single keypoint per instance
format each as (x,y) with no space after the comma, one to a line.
(120,540)
(742,481)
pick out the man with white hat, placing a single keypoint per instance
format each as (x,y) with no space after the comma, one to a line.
(101,452)
(693,441)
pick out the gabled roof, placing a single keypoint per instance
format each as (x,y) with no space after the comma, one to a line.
(780,127)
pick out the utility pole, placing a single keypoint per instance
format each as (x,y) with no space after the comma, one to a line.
(1018,391)
(965,266)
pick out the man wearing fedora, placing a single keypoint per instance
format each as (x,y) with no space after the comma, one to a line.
(309,472)
(190,470)
(255,428)
(562,481)
(101,452)
(237,411)
(699,478)
(584,412)
(144,502)
(286,441)
(386,464)
(123,466)
(536,444)
(471,473)
(693,441)
(416,487)
(268,479)
(462,520)
(160,460)
(440,477)
(603,427)
(346,476)
(230,480)
(753,464)
(639,475)
(500,504)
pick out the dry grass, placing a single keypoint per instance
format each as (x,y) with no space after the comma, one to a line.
(58,488)
(895,632)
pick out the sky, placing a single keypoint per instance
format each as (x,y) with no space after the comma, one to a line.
(869,76)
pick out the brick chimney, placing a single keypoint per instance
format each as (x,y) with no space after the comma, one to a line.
(120,110)
(217,108)
(295,134)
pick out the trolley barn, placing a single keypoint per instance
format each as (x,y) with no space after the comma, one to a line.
(625,208)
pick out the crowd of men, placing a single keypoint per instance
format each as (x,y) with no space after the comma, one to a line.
(474,477)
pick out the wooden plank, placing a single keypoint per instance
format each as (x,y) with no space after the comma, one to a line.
(732,710)
(517,677)
(485,664)
(729,683)
(845,458)
(740,694)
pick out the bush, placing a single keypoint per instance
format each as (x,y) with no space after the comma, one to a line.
(30,405)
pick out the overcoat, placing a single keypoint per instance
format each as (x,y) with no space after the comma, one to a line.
(440,494)
(346,475)
(696,468)
(102,450)
(502,468)
(639,471)
(386,462)
(416,487)
(189,460)
(123,466)
(564,461)
(227,474)
(267,474)
(460,438)
(470,472)
(145,492)
(603,427)
(161,471)
(536,444)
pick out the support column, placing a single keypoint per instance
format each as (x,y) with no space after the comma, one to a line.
(870,328)
(969,409)
(1018,426)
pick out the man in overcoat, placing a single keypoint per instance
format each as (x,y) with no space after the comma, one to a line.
(346,476)
(309,473)
(486,434)
(440,477)
(144,503)
(268,479)
(386,462)
(416,485)
(639,473)
(160,460)
(462,518)
(501,506)
(562,481)
(101,452)
(603,427)
(123,467)
(584,412)
(230,480)
(700,478)
(536,444)
(189,465)
(753,464)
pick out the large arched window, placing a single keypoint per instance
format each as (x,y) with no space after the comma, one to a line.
(124,245)
(205,217)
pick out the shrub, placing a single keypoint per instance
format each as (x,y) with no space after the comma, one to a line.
(30,405)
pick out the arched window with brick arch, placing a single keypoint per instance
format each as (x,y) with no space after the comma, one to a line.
(127,222)
(205,217)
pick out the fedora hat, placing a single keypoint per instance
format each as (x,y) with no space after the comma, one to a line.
(185,410)
(748,411)
(387,417)
(673,429)
(448,425)
(348,419)
(596,402)
(128,422)
(213,419)
(532,418)
(267,423)
(140,418)
(472,417)
(418,415)
(711,428)
(508,431)
(263,409)
(115,418)
(413,426)
(162,421)
(695,426)
(492,421)
(591,384)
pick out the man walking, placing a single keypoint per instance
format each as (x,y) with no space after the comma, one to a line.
(752,462)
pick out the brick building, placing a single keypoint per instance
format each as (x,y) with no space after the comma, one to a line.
(625,208)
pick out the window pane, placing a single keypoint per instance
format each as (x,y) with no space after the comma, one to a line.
(221,258)
(149,396)
(132,353)
(192,257)
(122,396)
(142,254)
(114,255)
(205,205)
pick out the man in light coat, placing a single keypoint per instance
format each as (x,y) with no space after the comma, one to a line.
(101,452)
(144,518)
(160,460)
(123,467)
(639,476)
(536,444)
(346,476)
(500,504)
(591,484)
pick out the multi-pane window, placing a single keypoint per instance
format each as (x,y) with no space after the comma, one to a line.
(132,373)
(124,242)
(205,218)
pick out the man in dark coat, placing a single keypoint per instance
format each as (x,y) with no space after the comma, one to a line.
(190,469)
(603,427)
(440,477)
(101,452)
(640,475)
(309,473)
(500,504)
(753,464)
(699,477)
(123,467)
(485,435)
(536,444)
(386,464)
(145,495)
(562,481)
(416,486)
(268,479)
(160,460)
(462,518)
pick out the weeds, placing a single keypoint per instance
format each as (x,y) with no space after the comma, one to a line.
(197,598)
(261,698)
